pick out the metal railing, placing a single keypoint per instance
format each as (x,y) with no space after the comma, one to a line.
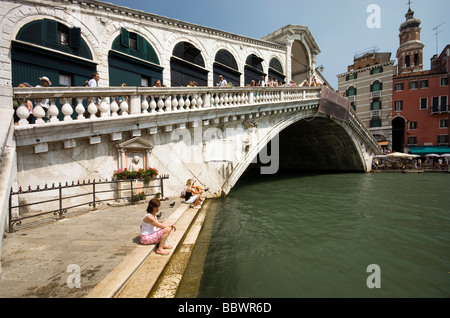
(59,197)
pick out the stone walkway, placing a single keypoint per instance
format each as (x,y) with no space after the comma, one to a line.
(44,260)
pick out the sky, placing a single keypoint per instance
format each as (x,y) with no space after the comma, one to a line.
(341,28)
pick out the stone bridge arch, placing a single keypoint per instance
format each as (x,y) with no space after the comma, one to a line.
(300,141)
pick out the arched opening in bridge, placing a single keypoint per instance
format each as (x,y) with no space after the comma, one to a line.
(398,134)
(253,69)
(300,63)
(225,65)
(276,70)
(132,60)
(186,65)
(53,49)
(318,144)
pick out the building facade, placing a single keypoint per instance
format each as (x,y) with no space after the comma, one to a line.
(367,84)
(420,97)
(69,41)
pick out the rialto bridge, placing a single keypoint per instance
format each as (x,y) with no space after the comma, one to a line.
(205,132)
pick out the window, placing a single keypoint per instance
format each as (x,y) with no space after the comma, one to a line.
(412,125)
(443,123)
(442,139)
(144,82)
(443,103)
(444,81)
(133,41)
(435,105)
(65,80)
(413,85)
(423,103)
(398,87)
(376,70)
(375,105)
(375,122)
(424,84)
(398,105)
(63,34)
(412,140)
(350,77)
(351,91)
(376,86)
(353,105)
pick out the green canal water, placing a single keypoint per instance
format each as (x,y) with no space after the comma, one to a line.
(314,235)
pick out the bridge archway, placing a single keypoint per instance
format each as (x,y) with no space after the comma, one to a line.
(305,144)
(301,64)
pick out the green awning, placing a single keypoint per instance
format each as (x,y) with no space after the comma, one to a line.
(439,150)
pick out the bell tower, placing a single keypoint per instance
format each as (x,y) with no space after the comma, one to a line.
(410,51)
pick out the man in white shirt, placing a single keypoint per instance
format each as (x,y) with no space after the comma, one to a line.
(262,81)
(93,82)
(222,82)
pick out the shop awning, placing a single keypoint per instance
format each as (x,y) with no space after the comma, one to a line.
(430,149)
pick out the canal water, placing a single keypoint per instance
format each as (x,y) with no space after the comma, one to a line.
(316,235)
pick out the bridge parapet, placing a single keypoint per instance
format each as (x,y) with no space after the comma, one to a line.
(94,111)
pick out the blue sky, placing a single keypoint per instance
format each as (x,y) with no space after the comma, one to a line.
(339,27)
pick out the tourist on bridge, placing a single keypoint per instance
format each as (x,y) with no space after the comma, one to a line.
(222,82)
(154,232)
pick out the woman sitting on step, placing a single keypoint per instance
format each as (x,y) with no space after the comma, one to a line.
(152,231)
(191,195)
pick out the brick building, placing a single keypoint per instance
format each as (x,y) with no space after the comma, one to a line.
(420,111)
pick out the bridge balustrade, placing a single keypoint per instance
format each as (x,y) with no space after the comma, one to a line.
(81,103)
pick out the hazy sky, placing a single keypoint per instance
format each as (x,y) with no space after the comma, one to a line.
(339,27)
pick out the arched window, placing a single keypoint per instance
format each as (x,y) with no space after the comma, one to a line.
(225,65)
(187,64)
(253,69)
(376,86)
(132,60)
(351,91)
(276,70)
(50,48)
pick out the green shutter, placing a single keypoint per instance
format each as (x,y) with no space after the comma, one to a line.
(51,31)
(74,37)
(125,37)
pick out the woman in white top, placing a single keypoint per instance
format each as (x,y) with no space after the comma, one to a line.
(152,231)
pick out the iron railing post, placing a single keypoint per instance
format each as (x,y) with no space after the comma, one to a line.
(60,201)
(131,189)
(93,195)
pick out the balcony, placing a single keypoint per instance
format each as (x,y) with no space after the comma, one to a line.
(376,94)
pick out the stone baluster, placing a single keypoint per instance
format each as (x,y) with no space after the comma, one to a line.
(39,113)
(194,101)
(160,104)
(53,111)
(144,104)
(67,110)
(114,107)
(174,103)
(92,108)
(23,113)
(199,101)
(187,102)
(123,108)
(80,108)
(104,108)
(181,103)
(168,104)
(152,105)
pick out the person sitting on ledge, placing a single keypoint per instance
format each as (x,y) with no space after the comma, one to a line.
(191,194)
(154,232)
